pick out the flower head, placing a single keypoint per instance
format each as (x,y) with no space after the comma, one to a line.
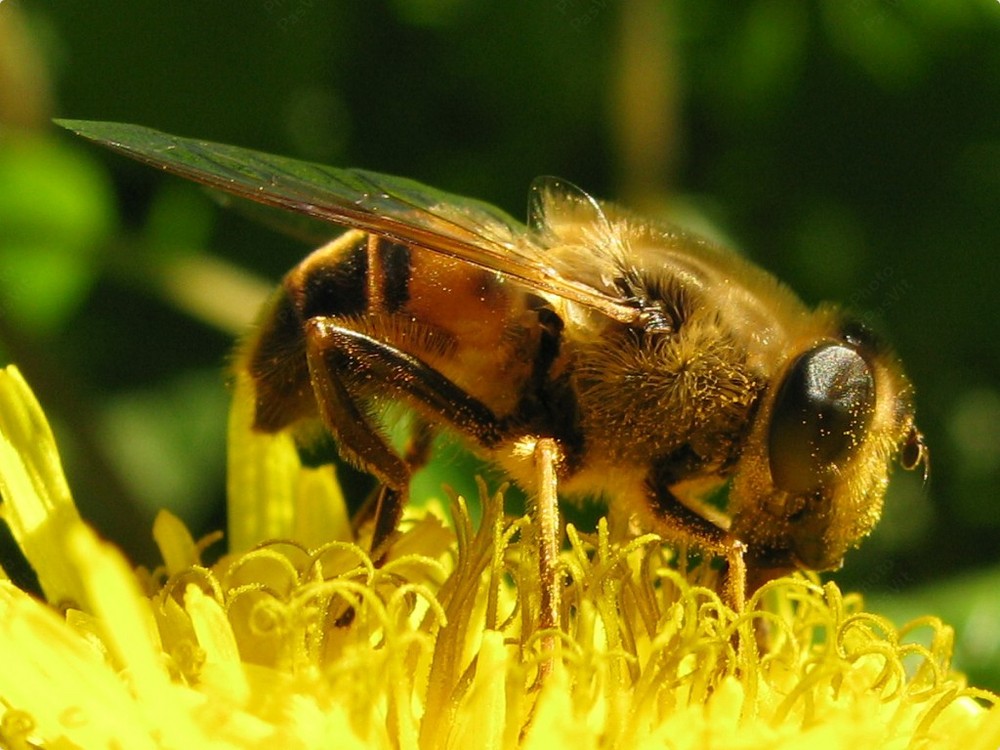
(295,639)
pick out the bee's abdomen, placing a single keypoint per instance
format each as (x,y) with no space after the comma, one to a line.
(274,357)
(462,321)
(395,267)
(332,281)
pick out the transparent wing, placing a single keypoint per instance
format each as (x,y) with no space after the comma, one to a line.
(395,207)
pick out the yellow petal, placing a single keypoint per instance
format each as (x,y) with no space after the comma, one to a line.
(261,476)
(222,672)
(37,504)
(177,547)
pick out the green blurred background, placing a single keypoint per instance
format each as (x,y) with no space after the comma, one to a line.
(850,146)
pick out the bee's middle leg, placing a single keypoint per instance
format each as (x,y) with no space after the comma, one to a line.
(548,456)
(345,366)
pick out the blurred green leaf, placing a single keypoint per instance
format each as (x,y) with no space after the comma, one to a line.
(57,208)
(175,433)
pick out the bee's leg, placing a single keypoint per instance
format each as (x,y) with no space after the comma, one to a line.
(377,505)
(389,504)
(734,580)
(356,361)
(547,458)
(344,365)
(358,441)
(676,521)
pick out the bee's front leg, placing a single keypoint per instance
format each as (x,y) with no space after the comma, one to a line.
(678,523)
(345,368)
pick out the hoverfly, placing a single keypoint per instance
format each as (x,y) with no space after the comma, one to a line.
(652,364)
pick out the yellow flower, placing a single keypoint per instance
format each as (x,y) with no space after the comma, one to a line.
(295,640)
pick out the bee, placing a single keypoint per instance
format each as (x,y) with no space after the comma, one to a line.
(653,365)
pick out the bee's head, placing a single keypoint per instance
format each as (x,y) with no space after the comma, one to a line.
(811,482)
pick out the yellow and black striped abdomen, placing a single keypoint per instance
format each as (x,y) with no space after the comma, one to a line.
(467,323)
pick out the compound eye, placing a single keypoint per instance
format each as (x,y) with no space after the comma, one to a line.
(821,414)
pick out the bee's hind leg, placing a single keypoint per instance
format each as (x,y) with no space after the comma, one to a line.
(345,367)
(388,502)
(379,504)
